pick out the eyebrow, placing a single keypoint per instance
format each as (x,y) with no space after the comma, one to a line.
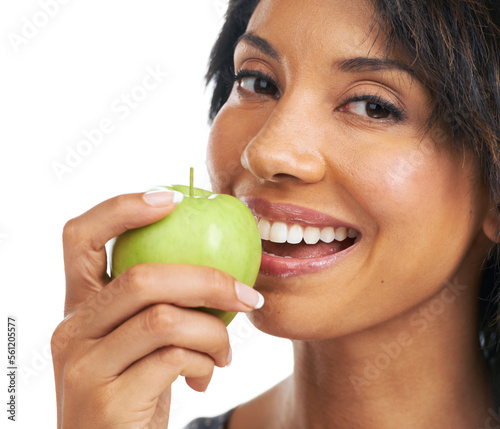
(363,64)
(357,64)
(261,44)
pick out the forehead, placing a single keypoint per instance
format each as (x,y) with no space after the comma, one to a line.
(309,26)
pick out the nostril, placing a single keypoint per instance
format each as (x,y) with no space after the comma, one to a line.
(269,160)
(282,176)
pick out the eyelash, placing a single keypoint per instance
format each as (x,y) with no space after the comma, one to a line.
(397,113)
(258,74)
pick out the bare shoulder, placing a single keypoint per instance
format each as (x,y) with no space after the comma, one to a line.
(263,412)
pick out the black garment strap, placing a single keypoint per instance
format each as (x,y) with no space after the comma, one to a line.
(218,422)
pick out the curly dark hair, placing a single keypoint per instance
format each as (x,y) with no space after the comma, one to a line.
(453,46)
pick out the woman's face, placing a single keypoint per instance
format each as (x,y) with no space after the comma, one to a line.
(323,131)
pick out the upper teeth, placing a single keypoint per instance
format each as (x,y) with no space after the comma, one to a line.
(281,232)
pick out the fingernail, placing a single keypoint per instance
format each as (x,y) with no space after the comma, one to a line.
(229,356)
(162,197)
(249,296)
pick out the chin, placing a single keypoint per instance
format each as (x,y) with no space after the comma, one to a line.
(282,319)
(272,323)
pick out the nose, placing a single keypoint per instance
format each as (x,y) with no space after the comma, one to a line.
(284,149)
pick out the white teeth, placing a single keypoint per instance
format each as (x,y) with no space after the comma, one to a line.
(295,234)
(327,234)
(278,232)
(264,228)
(311,235)
(341,233)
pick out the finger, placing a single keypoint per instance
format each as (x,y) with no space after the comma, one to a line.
(152,375)
(85,237)
(147,284)
(159,326)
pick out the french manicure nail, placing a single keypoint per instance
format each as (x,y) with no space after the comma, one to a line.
(249,296)
(161,197)
(229,356)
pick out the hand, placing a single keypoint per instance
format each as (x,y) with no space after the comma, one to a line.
(124,342)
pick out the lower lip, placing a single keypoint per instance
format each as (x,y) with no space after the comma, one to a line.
(277,266)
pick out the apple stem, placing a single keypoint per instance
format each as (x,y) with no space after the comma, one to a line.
(191,180)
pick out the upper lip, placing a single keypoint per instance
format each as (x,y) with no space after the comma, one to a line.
(291,213)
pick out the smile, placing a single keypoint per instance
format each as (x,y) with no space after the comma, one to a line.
(281,232)
(298,240)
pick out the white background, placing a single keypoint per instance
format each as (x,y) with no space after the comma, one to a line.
(60,76)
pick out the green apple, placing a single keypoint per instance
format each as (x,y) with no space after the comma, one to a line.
(214,230)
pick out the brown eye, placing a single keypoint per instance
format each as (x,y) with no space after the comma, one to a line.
(257,82)
(377,111)
(258,85)
(373,107)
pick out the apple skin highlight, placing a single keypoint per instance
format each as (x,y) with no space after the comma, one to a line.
(214,230)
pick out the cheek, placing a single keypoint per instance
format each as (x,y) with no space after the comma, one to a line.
(423,204)
(233,128)
(420,184)
(223,154)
